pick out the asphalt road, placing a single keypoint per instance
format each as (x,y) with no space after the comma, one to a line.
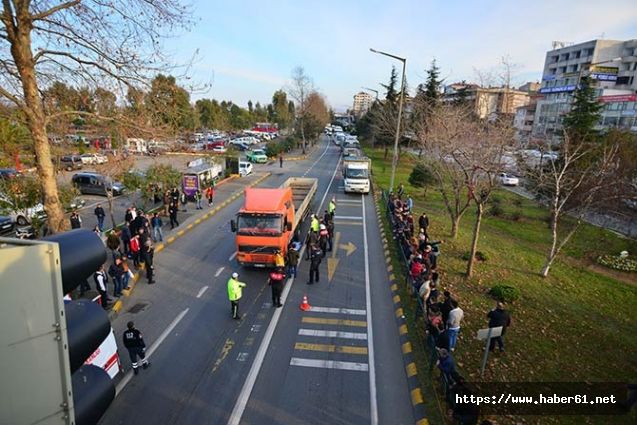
(340,363)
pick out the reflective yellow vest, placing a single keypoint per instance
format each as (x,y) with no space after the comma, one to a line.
(315,224)
(235,289)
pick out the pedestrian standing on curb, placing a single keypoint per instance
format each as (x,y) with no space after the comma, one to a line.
(280,160)
(331,207)
(210,193)
(498,317)
(423,223)
(156,223)
(184,201)
(172,211)
(293,260)
(276,280)
(134,343)
(127,272)
(174,196)
(453,324)
(76,221)
(116,272)
(148,255)
(198,197)
(100,214)
(134,249)
(100,285)
(166,200)
(315,261)
(125,236)
(235,291)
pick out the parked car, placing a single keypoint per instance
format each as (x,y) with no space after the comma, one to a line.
(245,168)
(257,156)
(96,184)
(93,158)
(8,173)
(21,216)
(508,179)
(7,226)
(219,149)
(75,204)
(71,162)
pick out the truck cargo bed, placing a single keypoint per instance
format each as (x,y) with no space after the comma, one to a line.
(303,191)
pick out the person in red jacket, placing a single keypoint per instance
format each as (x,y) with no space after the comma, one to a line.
(134,249)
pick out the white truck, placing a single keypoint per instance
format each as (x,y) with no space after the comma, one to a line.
(356,174)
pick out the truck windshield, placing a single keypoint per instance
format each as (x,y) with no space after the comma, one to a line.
(259,224)
(356,173)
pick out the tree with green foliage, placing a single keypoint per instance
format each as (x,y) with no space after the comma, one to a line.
(392,93)
(169,104)
(421,176)
(585,112)
(280,109)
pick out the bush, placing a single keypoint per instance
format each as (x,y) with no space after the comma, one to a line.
(272,149)
(517,215)
(505,293)
(480,256)
(618,262)
(496,209)
(517,202)
(421,176)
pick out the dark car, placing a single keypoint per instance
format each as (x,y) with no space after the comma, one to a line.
(71,162)
(96,184)
(7,226)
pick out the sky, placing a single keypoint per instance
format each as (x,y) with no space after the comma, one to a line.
(245,50)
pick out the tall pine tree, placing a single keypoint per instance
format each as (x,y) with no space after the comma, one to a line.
(432,85)
(392,91)
(584,114)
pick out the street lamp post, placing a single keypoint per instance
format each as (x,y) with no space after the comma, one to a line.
(394,162)
(372,90)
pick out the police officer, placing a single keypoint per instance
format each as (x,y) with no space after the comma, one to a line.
(315,223)
(134,342)
(315,260)
(323,236)
(235,289)
(276,281)
(331,207)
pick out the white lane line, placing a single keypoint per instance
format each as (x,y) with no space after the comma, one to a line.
(151,350)
(248,385)
(370,345)
(332,334)
(347,201)
(328,364)
(234,254)
(201,291)
(348,217)
(327,146)
(315,309)
(220,270)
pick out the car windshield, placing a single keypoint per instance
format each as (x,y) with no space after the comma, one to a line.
(259,224)
(356,173)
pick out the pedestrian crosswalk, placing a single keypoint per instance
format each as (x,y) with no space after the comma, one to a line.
(332,338)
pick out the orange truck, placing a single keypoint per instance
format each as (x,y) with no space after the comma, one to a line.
(270,218)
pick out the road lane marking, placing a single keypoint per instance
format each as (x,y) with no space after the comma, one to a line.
(347,223)
(332,334)
(338,310)
(330,348)
(348,201)
(329,364)
(151,350)
(336,322)
(348,217)
(234,254)
(201,291)
(219,270)
(373,420)
(251,378)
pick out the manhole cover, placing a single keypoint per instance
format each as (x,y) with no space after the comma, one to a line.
(137,308)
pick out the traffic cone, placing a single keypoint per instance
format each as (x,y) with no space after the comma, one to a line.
(305,306)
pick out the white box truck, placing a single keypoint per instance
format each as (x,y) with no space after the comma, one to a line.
(356,174)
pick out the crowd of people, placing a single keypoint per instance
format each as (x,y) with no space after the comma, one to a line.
(440,309)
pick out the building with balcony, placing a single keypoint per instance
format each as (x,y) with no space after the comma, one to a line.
(612,67)
(488,102)
(362,102)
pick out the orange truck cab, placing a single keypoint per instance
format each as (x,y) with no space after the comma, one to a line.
(270,218)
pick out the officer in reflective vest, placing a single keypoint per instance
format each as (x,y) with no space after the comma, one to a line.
(331,208)
(235,289)
(315,223)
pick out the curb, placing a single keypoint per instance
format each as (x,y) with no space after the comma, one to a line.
(117,307)
(417,400)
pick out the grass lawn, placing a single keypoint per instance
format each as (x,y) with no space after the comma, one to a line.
(576,325)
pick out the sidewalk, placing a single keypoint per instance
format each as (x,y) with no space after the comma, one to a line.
(225,193)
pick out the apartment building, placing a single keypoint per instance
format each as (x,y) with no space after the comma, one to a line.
(362,102)
(488,102)
(612,67)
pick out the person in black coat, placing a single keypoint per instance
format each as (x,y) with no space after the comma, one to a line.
(446,307)
(498,317)
(76,221)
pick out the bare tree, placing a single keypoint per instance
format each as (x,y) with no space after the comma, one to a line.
(114,45)
(440,139)
(572,184)
(300,89)
(114,170)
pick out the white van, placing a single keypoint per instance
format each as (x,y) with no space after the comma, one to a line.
(245,168)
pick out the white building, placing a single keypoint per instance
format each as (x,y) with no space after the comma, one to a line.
(362,102)
(612,67)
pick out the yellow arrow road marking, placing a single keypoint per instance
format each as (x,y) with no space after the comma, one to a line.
(349,247)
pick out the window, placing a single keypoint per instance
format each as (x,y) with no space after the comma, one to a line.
(562,69)
(554,59)
(577,54)
(611,121)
